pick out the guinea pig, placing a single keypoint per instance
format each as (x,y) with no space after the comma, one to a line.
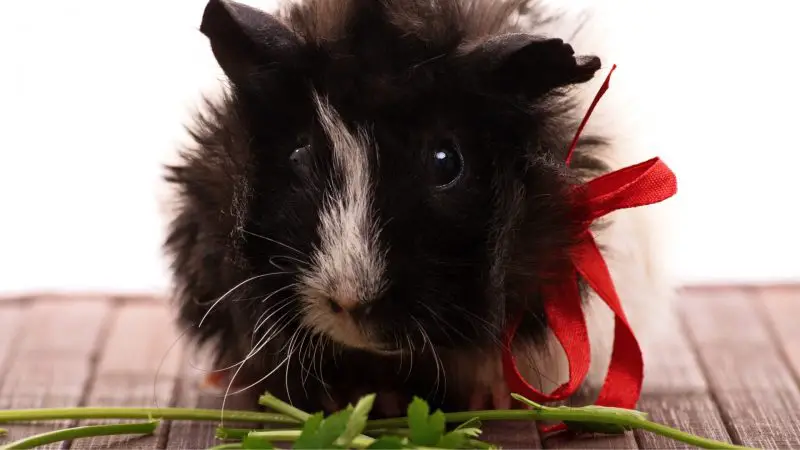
(380,184)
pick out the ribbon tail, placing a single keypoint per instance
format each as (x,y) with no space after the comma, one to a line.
(623,382)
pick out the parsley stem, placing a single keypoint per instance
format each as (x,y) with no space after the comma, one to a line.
(279,406)
(82,432)
(687,438)
(287,414)
(360,441)
(630,419)
(232,433)
(77,413)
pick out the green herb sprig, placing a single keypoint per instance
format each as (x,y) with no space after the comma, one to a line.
(349,428)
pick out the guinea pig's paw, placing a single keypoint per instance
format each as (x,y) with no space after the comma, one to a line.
(496,396)
(501,396)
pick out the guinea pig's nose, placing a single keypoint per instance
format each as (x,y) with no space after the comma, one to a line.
(351,306)
(339,304)
(335,306)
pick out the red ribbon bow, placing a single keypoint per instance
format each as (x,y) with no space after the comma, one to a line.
(638,185)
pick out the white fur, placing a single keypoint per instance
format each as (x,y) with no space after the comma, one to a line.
(349,265)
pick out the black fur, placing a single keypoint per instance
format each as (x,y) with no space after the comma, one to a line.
(460,260)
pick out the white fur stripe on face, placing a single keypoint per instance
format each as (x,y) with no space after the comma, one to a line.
(349,266)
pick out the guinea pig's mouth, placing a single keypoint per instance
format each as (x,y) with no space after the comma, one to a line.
(346,331)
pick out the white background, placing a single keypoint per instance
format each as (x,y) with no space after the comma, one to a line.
(93,95)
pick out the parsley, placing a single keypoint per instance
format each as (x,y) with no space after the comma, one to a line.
(426,429)
(349,428)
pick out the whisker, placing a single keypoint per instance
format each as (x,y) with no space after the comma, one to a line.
(271,311)
(234,289)
(475,316)
(290,353)
(410,356)
(273,259)
(441,367)
(274,241)
(325,341)
(163,360)
(437,360)
(491,330)
(444,322)
(267,337)
(256,383)
(397,345)
(253,350)
(262,342)
(225,397)
(302,351)
(304,348)
(288,286)
(318,340)
(262,319)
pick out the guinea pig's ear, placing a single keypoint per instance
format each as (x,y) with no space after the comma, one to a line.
(520,63)
(244,39)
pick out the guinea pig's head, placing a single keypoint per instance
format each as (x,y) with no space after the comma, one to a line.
(403,164)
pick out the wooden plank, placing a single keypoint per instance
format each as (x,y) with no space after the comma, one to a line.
(566,441)
(191,394)
(52,360)
(511,434)
(10,333)
(138,366)
(757,396)
(693,413)
(675,392)
(780,306)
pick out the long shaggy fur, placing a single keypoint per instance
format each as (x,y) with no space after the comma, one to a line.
(246,226)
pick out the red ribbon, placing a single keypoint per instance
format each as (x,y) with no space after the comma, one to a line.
(638,185)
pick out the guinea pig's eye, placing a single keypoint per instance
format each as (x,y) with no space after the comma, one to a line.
(446,164)
(301,156)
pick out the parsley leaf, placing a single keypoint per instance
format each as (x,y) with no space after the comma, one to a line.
(426,429)
(319,432)
(308,437)
(453,441)
(357,420)
(459,438)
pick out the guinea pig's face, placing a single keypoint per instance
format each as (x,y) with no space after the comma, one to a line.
(392,193)
(386,221)
(401,233)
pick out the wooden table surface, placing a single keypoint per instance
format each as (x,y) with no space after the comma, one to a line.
(729,371)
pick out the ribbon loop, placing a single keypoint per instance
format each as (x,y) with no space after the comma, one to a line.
(642,184)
